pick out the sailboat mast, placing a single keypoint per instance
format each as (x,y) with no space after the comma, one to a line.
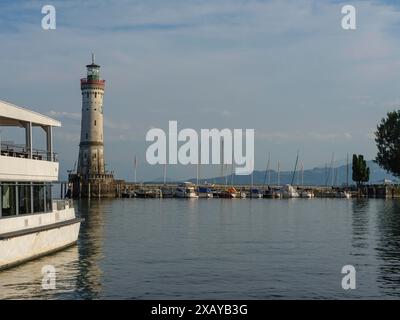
(222,158)
(226,174)
(332,169)
(295,167)
(232,174)
(326,174)
(266,172)
(268,169)
(252,177)
(134,167)
(347,170)
(279,173)
(197,174)
(302,175)
(336,177)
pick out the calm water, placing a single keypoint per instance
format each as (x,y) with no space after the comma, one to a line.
(222,249)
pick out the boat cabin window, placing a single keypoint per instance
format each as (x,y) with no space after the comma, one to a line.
(38,198)
(8,200)
(48,201)
(24,198)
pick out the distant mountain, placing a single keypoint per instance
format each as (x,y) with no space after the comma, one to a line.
(161,180)
(316,176)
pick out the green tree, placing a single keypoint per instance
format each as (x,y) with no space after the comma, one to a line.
(387,138)
(360,170)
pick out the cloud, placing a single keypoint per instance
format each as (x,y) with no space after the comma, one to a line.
(108,123)
(285,68)
(120,125)
(64,114)
(68,137)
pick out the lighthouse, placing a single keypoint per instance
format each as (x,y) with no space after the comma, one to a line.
(91,147)
(91,178)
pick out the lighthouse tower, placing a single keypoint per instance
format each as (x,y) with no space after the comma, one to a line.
(91,178)
(91,147)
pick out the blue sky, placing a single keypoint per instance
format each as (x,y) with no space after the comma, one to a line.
(285,68)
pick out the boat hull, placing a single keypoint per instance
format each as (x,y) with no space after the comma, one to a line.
(191,195)
(343,195)
(205,195)
(289,195)
(227,195)
(27,237)
(19,249)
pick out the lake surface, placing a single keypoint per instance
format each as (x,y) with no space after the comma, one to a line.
(222,249)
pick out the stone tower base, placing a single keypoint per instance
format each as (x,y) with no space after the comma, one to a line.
(92,186)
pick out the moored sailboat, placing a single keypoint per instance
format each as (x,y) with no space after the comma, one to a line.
(186,190)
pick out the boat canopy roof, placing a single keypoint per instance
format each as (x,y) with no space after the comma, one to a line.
(204,190)
(12,115)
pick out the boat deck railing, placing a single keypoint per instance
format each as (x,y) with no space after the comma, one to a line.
(21,151)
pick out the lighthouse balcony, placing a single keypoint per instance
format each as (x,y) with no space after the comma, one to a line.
(92,83)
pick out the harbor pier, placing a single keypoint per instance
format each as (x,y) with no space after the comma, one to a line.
(107,187)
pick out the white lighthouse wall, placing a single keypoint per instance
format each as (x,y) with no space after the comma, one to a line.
(91,158)
(92,115)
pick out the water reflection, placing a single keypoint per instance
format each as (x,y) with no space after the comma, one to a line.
(78,271)
(388,246)
(360,226)
(172,248)
(25,281)
(91,242)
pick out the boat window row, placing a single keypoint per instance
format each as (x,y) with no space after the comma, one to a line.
(17,198)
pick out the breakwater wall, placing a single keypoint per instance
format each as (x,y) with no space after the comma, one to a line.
(110,188)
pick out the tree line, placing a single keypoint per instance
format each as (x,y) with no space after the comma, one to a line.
(387,138)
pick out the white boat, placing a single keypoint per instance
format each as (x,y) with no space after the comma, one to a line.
(230,193)
(306,194)
(180,192)
(32,224)
(186,190)
(343,194)
(205,192)
(255,193)
(289,191)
